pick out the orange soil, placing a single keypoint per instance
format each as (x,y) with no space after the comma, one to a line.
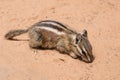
(100,17)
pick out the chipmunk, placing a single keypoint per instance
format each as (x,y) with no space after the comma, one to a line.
(49,34)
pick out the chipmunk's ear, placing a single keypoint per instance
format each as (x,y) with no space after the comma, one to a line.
(84,33)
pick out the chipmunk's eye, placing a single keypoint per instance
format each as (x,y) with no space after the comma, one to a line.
(77,40)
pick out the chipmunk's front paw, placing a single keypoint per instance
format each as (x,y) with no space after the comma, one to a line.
(73,55)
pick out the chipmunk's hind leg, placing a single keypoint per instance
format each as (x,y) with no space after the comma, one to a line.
(35,38)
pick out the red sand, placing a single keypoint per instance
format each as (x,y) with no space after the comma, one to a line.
(100,17)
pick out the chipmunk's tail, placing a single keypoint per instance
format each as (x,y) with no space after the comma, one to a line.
(14,33)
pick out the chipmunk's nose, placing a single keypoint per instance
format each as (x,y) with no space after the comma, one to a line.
(89,59)
(86,57)
(87,54)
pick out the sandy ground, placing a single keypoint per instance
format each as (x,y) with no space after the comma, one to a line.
(100,17)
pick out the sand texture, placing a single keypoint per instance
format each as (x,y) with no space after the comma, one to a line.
(101,18)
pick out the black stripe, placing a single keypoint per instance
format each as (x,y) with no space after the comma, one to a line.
(42,23)
(54,22)
(51,26)
(58,24)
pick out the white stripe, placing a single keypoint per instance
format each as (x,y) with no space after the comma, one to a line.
(58,25)
(77,45)
(53,23)
(86,53)
(51,29)
(84,49)
(80,51)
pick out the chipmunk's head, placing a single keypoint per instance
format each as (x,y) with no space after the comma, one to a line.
(84,47)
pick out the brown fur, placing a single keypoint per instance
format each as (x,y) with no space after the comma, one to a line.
(64,43)
(41,39)
(14,33)
(61,43)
